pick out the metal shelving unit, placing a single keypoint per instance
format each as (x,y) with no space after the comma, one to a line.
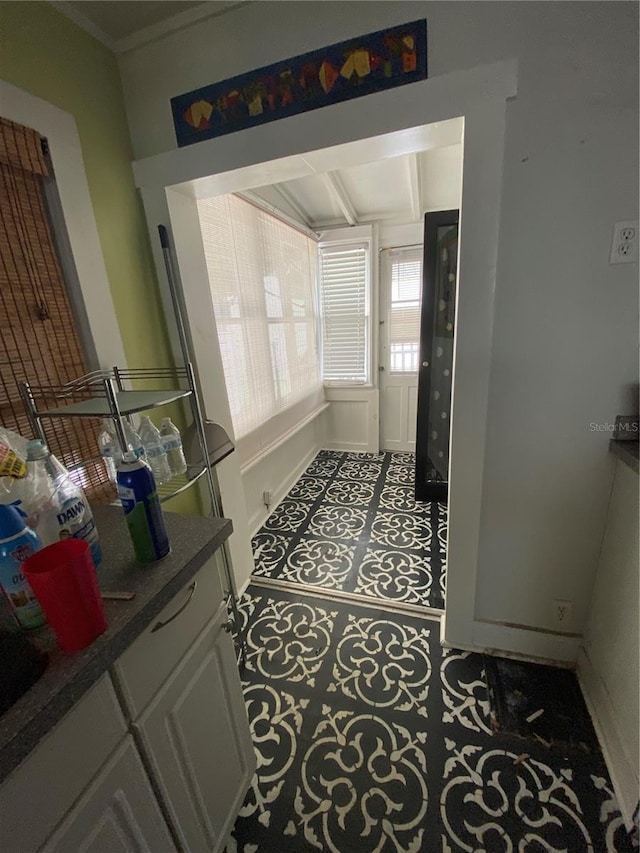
(102,394)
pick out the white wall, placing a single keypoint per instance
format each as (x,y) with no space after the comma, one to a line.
(565,327)
(608,666)
(352,422)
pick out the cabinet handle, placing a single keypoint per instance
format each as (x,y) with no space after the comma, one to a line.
(161,624)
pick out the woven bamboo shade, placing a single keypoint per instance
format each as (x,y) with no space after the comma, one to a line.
(39,341)
(21,148)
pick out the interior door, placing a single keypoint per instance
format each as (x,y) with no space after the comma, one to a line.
(440,269)
(400,299)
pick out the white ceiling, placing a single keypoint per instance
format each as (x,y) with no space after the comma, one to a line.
(373,185)
(124,24)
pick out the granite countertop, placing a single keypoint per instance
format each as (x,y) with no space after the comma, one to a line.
(627,451)
(193,540)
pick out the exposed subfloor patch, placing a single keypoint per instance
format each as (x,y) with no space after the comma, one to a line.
(370,737)
(351,524)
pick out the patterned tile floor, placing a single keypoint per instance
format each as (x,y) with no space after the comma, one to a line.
(351,523)
(371,739)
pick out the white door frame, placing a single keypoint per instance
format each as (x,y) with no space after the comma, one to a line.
(275,151)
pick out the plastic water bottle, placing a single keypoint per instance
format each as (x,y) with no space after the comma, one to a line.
(108,449)
(154,450)
(134,441)
(17,542)
(173,447)
(139,497)
(57,505)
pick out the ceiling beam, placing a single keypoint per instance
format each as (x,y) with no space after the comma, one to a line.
(287,196)
(257,200)
(336,188)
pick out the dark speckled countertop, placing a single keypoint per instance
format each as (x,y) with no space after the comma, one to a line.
(627,451)
(68,677)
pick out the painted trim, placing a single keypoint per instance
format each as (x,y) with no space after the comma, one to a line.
(260,457)
(521,627)
(154,32)
(623,776)
(397,120)
(258,519)
(68,9)
(436,100)
(518,643)
(71,182)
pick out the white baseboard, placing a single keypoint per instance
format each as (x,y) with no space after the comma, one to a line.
(519,642)
(258,518)
(346,447)
(623,774)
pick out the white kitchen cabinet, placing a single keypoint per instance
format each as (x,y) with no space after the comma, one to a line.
(196,739)
(117,813)
(41,790)
(152,657)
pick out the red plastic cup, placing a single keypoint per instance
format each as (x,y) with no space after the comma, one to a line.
(64,581)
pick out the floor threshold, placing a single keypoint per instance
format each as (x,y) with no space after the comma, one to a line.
(421,611)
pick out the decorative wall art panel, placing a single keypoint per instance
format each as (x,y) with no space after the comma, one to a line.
(359,66)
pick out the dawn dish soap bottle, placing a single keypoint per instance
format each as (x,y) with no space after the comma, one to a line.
(57,506)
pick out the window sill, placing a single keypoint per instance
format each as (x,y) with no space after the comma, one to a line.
(259,457)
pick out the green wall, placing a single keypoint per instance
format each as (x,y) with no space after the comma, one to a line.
(47,55)
(44,53)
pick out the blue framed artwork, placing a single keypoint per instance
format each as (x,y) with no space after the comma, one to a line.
(359,66)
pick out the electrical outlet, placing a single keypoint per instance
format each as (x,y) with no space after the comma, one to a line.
(267,497)
(624,243)
(562,610)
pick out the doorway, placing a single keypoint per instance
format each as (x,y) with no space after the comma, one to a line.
(400,300)
(171,183)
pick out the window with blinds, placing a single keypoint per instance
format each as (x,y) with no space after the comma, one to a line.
(344,312)
(262,276)
(39,339)
(404,314)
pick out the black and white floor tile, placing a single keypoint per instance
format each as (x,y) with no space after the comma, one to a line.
(351,523)
(370,738)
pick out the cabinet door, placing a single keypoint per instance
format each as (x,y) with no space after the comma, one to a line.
(196,736)
(118,812)
(151,658)
(37,795)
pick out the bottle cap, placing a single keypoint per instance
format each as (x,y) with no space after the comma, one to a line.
(36,449)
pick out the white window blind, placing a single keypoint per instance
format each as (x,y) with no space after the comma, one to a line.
(344,308)
(262,277)
(404,316)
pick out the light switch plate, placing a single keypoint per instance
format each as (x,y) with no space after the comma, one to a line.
(624,243)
